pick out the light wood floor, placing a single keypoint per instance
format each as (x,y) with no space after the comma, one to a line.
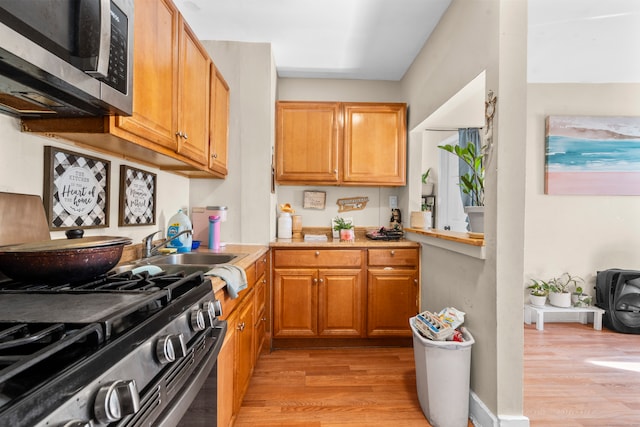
(578,377)
(574,377)
(337,387)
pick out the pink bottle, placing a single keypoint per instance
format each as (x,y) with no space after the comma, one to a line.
(214,232)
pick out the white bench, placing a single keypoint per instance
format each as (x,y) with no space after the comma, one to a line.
(583,311)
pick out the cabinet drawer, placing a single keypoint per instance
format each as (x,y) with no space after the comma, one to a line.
(318,258)
(393,257)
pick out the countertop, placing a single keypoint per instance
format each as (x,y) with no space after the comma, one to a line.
(361,241)
(250,254)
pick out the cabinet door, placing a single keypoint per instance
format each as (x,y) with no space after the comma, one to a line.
(219,124)
(295,303)
(244,349)
(193,111)
(374,144)
(260,316)
(226,374)
(308,141)
(155,74)
(392,300)
(341,302)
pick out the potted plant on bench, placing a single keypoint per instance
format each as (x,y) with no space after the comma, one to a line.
(559,289)
(580,299)
(538,292)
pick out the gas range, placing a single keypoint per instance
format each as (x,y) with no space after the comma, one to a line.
(121,349)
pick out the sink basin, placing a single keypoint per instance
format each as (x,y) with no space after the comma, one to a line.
(193,258)
(167,268)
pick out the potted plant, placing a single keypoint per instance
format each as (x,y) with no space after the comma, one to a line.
(580,299)
(538,292)
(427,187)
(559,289)
(345,228)
(471,183)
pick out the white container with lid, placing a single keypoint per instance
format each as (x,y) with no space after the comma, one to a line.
(284,226)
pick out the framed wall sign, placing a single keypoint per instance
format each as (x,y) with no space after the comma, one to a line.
(314,200)
(76,190)
(137,197)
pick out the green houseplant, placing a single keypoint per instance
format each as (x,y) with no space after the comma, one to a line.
(538,292)
(471,183)
(427,187)
(344,228)
(560,289)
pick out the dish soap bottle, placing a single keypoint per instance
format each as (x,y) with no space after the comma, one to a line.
(178,223)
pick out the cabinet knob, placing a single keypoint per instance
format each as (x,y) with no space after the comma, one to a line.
(185,136)
(264,281)
(241,326)
(317,253)
(179,134)
(393,253)
(315,280)
(321,280)
(215,156)
(264,319)
(415,281)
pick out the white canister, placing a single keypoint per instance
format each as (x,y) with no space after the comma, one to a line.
(284,225)
(420,219)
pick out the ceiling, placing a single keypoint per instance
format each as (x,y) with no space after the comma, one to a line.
(342,39)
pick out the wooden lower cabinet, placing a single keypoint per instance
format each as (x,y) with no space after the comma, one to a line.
(244,350)
(369,300)
(392,300)
(318,303)
(246,318)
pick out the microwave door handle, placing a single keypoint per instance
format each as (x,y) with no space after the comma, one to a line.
(102,65)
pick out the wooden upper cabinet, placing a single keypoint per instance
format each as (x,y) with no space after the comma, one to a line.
(155,74)
(219,123)
(308,142)
(333,143)
(193,109)
(169,126)
(375,144)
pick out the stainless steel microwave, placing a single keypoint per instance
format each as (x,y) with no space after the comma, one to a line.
(66,58)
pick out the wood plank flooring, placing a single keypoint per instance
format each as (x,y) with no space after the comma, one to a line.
(333,387)
(578,377)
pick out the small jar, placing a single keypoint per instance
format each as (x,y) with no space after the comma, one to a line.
(284,225)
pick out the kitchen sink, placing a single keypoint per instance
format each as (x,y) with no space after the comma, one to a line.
(167,268)
(188,263)
(193,258)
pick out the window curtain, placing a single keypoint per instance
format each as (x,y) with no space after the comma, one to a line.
(466,135)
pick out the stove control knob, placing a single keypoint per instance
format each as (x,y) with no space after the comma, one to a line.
(116,400)
(77,423)
(170,347)
(217,307)
(198,320)
(214,309)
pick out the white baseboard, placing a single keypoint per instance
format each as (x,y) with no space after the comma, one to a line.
(481,416)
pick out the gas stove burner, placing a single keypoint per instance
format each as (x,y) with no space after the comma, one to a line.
(62,344)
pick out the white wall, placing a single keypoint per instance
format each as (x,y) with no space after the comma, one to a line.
(250,73)
(578,234)
(475,36)
(22,171)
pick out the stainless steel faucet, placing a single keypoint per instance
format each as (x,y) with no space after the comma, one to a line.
(150,250)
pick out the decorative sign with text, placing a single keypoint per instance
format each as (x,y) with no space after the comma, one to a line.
(137,197)
(76,190)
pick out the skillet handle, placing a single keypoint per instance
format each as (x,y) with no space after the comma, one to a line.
(74,234)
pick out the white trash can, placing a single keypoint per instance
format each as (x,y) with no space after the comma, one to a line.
(442,378)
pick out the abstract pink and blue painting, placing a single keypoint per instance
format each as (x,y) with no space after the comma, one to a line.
(592,155)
